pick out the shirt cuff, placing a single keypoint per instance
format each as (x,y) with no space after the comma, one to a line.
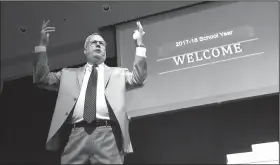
(141,51)
(39,49)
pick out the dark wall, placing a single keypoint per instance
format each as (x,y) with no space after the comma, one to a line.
(196,135)
(26,115)
(205,134)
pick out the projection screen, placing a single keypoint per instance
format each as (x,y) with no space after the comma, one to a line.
(204,54)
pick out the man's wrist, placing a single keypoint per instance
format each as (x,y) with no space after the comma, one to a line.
(140,45)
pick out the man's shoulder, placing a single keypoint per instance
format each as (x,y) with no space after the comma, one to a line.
(72,69)
(118,69)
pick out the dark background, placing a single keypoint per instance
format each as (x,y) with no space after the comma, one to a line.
(195,135)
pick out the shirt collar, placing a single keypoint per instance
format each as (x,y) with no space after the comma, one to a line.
(89,66)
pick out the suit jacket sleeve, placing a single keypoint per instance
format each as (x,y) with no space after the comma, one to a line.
(138,76)
(42,75)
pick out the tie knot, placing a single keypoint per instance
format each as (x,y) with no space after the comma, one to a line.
(94,66)
(91,67)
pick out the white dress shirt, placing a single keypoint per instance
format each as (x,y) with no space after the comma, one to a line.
(101,106)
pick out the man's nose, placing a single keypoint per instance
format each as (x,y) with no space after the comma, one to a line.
(97,45)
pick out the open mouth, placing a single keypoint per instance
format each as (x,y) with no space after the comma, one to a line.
(97,51)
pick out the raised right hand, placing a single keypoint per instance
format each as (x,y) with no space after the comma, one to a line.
(45,33)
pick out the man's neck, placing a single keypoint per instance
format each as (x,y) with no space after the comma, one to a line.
(90,64)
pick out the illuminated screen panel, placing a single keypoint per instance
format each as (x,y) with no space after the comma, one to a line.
(204,54)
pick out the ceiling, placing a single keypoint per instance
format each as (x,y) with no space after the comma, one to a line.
(21,23)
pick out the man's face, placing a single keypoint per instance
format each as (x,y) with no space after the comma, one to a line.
(95,50)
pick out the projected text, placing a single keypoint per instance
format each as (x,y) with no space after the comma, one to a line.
(208,55)
(203,38)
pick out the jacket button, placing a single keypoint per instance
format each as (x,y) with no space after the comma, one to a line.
(66,113)
(75,98)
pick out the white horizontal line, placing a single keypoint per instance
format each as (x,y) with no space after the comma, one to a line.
(259,162)
(210,63)
(208,49)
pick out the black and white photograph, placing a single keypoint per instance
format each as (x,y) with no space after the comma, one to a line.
(139,82)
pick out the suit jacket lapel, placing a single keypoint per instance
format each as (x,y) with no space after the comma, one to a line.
(107,75)
(81,72)
(80,76)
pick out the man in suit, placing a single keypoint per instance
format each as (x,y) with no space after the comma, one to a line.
(91,101)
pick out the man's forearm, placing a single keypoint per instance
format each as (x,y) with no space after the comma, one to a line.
(140,64)
(139,70)
(41,68)
(138,75)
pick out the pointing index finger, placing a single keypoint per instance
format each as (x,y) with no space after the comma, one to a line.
(139,26)
(45,23)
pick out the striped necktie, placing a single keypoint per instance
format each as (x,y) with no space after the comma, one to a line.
(90,98)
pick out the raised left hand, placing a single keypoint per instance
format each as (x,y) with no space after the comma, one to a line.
(138,34)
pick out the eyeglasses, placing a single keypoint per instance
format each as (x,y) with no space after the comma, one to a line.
(94,42)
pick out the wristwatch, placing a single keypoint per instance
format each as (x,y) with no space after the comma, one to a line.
(141,45)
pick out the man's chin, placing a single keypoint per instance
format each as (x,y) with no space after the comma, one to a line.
(97,60)
(97,55)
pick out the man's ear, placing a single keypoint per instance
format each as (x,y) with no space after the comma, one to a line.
(85,51)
